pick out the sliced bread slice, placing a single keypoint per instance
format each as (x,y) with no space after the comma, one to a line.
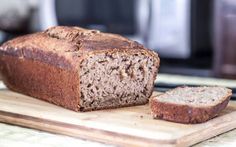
(190,104)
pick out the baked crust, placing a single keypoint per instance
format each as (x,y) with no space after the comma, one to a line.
(185,113)
(64,46)
(52,60)
(40,80)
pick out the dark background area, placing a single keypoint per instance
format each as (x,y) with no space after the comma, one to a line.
(211,31)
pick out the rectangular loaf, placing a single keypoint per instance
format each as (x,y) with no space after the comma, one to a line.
(79,69)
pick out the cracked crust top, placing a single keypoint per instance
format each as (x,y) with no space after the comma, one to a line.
(63,46)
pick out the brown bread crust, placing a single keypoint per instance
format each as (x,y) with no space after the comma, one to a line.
(64,46)
(46,65)
(184,113)
(42,81)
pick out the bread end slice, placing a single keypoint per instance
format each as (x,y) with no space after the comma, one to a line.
(190,105)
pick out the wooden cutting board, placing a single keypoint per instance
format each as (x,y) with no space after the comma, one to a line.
(125,126)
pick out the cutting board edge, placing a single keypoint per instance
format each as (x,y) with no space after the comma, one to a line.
(70,130)
(218,128)
(13,117)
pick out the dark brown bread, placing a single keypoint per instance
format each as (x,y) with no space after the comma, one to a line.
(79,69)
(190,104)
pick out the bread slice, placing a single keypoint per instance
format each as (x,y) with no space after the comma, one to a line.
(190,104)
(79,69)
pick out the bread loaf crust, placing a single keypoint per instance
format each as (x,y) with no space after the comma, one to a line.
(52,59)
(43,81)
(186,114)
(65,47)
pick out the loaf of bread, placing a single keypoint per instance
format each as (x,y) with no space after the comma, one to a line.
(79,69)
(190,104)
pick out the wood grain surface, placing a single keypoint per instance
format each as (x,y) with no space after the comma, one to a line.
(125,126)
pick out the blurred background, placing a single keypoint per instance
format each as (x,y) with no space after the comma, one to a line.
(192,37)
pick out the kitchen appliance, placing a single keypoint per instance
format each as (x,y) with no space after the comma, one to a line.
(181,29)
(170,28)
